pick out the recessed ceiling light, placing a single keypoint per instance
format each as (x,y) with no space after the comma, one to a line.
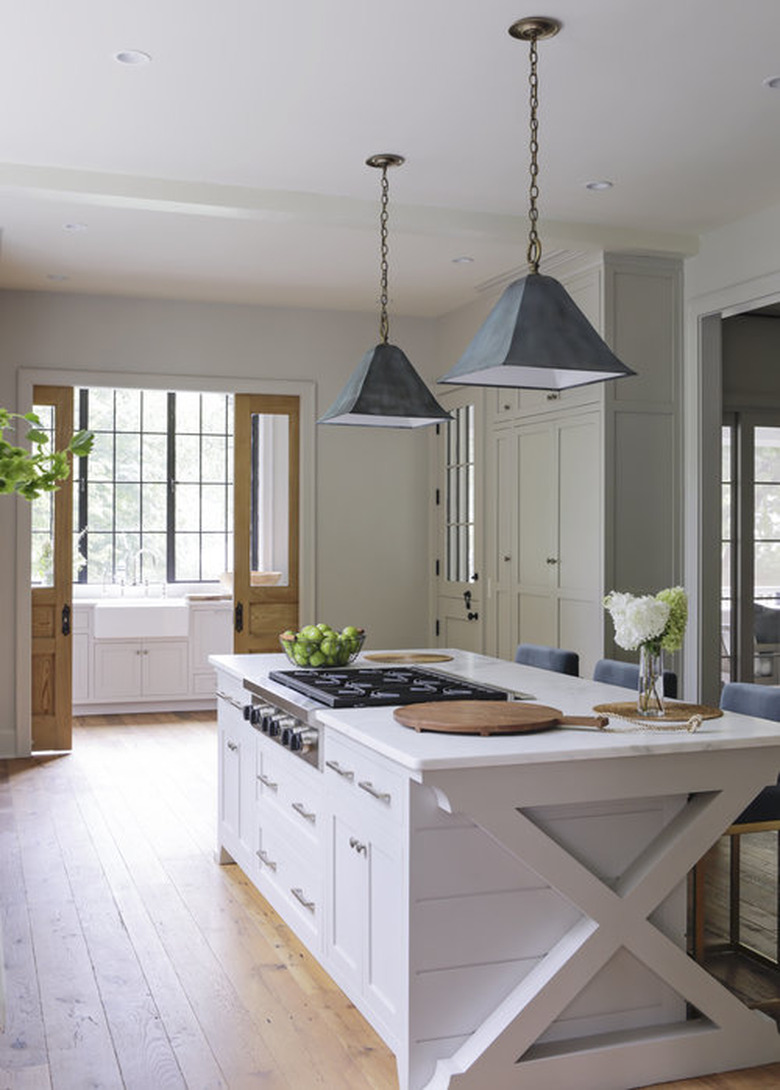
(597,186)
(132,56)
(57,276)
(74,226)
(772,82)
(462,260)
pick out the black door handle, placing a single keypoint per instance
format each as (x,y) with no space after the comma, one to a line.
(66,620)
(239,617)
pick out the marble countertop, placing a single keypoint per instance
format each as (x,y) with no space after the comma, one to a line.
(377,728)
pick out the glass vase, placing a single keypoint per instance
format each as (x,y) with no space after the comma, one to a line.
(650,696)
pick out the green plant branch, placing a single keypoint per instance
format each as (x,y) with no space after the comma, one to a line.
(28,473)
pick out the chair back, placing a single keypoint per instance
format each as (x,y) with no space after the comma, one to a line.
(762,701)
(626,674)
(548,658)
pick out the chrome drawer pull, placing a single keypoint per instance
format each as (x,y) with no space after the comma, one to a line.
(267,783)
(345,772)
(383,796)
(232,746)
(299,895)
(230,699)
(299,808)
(263,857)
(357,845)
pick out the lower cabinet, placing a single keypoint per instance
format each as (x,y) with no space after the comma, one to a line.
(128,669)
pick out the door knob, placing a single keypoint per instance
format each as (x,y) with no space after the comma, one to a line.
(552,560)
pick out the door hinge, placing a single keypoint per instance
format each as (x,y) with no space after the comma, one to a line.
(475,577)
(66,620)
(239,617)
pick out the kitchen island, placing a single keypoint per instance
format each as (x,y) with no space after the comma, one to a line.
(506,911)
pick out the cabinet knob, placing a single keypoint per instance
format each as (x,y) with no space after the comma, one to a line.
(506,558)
(552,560)
(358,845)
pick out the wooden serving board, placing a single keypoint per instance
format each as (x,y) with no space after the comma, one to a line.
(398,657)
(488,717)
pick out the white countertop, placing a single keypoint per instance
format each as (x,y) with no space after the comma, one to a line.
(377,728)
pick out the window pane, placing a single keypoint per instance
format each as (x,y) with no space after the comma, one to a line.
(101,410)
(100,506)
(128,456)
(213,556)
(187,567)
(155,498)
(154,457)
(128,410)
(187,507)
(187,458)
(155,410)
(187,412)
(152,558)
(767,456)
(101,564)
(767,511)
(767,577)
(214,462)
(101,458)
(214,413)
(128,506)
(213,510)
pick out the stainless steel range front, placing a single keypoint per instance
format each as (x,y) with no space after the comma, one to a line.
(285,708)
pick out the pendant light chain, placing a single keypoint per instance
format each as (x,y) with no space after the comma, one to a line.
(534,252)
(384,324)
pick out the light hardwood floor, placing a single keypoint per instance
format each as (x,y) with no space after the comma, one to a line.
(134,961)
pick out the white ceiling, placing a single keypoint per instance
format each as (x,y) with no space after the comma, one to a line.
(231,167)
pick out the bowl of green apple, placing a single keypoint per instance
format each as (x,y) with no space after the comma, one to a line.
(318,645)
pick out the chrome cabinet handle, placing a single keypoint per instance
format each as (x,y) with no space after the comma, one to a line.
(267,783)
(299,895)
(347,773)
(383,796)
(357,845)
(263,857)
(230,699)
(233,746)
(299,808)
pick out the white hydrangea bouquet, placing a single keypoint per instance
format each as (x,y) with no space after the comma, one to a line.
(653,624)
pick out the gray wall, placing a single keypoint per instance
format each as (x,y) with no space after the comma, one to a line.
(371,519)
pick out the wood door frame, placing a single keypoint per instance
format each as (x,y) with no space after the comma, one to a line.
(27,378)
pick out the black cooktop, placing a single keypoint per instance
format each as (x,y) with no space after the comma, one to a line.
(363,688)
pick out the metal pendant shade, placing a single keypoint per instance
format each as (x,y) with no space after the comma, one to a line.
(385,391)
(536,336)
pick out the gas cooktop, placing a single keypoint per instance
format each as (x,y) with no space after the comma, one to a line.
(358,687)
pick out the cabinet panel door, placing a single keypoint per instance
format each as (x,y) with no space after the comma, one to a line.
(117,669)
(230,783)
(382,981)
(580,508)
(536,501)
(347,901)
(165,668)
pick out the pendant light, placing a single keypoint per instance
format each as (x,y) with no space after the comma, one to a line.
(385,390)
(536,336)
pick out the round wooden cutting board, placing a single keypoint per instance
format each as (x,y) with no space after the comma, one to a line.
(488,717)
(399,657)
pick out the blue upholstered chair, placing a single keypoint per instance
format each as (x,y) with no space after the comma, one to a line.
(548,658)
(626,674)
(761,815)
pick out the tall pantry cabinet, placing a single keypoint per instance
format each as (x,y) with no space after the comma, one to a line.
(582,489)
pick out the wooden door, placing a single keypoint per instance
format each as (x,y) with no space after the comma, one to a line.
(266,520)
(52,520)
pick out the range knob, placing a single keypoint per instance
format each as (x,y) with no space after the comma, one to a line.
(303,740)
(248,709)
(274,726)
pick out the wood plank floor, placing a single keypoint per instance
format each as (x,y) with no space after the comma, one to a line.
(134,961)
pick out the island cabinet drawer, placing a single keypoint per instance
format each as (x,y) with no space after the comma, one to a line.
(354,773)
(230,693)
(292,795)
(292,881)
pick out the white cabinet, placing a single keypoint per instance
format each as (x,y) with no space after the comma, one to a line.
(131,669)
(236,775)
(547,542)
(367,811)
(211,633)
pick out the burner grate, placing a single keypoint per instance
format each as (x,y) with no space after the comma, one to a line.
(359,687)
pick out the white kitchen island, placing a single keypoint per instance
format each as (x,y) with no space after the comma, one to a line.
(507,912)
